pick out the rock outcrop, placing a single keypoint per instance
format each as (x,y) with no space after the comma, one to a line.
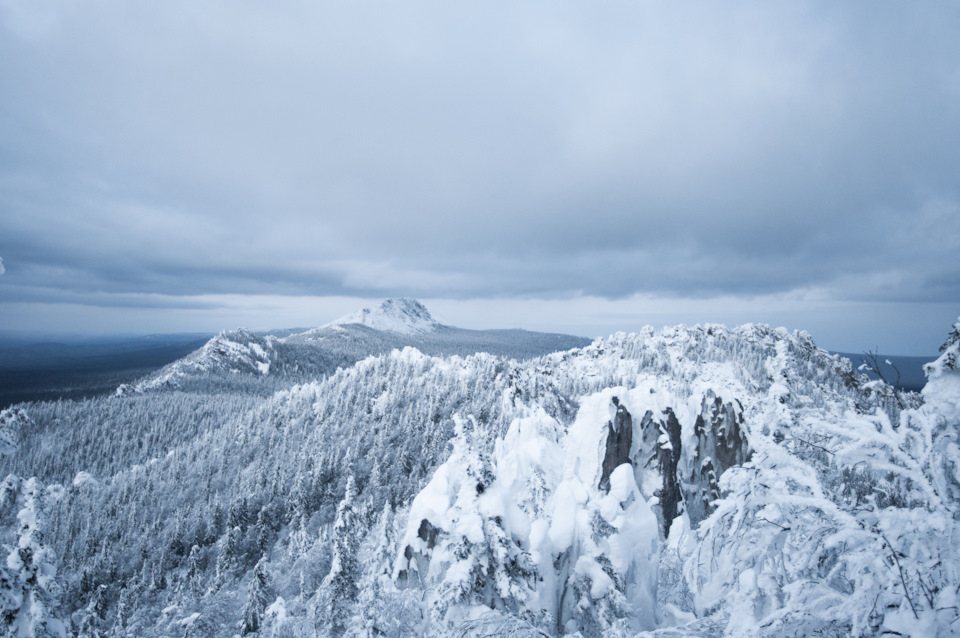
(619,439)
(721,444)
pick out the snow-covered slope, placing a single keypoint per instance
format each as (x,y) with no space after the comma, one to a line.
(229,353)
(689,481)
(404,316)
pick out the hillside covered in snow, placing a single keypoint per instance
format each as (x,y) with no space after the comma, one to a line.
(247,362)
(394,477)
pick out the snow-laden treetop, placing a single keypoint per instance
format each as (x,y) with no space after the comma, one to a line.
(406,316)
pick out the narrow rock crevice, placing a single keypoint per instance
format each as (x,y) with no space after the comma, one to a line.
(668,457)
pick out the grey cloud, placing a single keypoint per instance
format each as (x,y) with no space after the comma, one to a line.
(31,295)
(548,149)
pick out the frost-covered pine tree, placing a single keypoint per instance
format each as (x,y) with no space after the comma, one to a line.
(257,598)
(228,549)
(89,621)
(28,584)
(191,580)
(340,586)
(10,419)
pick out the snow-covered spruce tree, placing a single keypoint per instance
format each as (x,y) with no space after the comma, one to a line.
(190,584)
(457,483)
(10,596)
(385,610)
(265,532)
(466,541)
(339,588)
(30,590)
(126,606)
(951,349)
(257,599)
(299,540)
(9,493)
(89,622)
(377,563)
(228,551)
(11,420)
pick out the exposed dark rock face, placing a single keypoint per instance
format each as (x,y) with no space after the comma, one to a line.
(428,533)
(647,446)
(721,445)
(668,456)
(619,439)
(418,562)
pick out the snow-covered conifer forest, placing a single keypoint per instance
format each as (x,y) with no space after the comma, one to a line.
(387,475)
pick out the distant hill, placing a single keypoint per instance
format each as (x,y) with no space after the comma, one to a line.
(262,363)
(241,360)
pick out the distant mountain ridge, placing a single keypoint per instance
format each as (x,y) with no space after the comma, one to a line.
(242,360)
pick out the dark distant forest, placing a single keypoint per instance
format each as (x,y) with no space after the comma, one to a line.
(77,369)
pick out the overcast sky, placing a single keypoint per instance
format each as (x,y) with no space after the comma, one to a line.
(570,166)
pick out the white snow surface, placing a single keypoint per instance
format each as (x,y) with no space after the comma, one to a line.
(541,493)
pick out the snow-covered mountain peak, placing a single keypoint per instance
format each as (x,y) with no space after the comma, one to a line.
(405,316)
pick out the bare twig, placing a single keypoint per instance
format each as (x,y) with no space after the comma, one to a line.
(819,447)
(903,580)
(872,361)
(786,529)
(926,592)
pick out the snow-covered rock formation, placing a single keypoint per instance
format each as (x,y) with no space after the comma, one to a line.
(532,530)
(792,497)
(404,316)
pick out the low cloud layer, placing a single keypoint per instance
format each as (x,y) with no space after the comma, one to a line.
(546,150)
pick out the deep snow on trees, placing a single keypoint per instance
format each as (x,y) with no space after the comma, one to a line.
(698,480)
